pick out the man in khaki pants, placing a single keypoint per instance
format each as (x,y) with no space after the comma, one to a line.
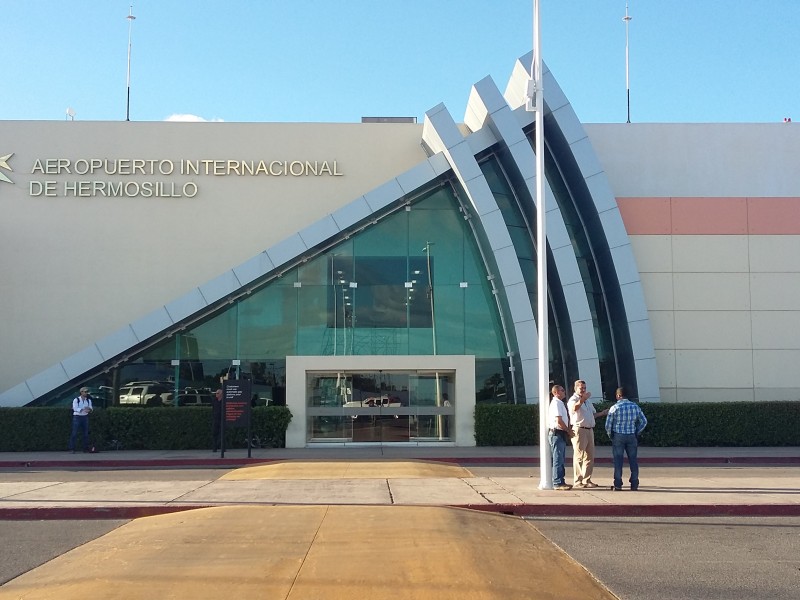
(582,417)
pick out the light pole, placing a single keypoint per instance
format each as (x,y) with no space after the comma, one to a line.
(535,103)
(627,18)
(439,418)
(427,251)
(131,19)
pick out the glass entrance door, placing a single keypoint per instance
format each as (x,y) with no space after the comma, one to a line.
(379,407)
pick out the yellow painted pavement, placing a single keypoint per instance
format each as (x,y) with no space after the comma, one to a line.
(333,469)
(314,553)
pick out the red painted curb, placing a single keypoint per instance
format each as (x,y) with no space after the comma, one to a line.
(84,513)
(126,464)
(641,510)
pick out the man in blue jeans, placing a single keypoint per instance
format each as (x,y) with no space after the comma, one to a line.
(81,407)
(558,434)
(624,423)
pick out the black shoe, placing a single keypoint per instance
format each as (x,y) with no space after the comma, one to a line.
(633,489)
(616,489)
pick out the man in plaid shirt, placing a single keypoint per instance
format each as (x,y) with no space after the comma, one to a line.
(624,423)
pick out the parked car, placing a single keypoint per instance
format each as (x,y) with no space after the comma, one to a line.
(145,393)
(195,399)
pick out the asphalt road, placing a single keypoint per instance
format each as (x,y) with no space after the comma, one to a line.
(637,559)
(28,544)
(685,558)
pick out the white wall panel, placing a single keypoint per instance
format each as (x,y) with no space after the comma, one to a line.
(43,382)
(710,253)
(702,394)
(352,213)
(251,269)
(776,368)
(601,191)
(152,324)
(667,369)
(774,253)
(662,324)
(776,330)
(82,361)
(712,291)
(584,336)
(319,231)
(698,159)
(653,253)
(214,290)
(647,376)
(117,342)
(776,291)
(711,330)
(641,339)
(714,369)
(614,228)
(658,291)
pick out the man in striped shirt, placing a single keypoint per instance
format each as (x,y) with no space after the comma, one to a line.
(625,421)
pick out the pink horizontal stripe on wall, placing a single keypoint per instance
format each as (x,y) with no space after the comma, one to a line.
(710,216)
(773,216)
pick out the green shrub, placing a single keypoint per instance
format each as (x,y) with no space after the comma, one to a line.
(668,424)
(185,428)
(506,424)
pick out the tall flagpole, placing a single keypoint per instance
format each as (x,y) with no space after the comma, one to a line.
(536,104)
(131,19)
(627,18)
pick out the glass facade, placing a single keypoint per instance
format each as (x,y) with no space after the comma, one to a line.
(410,282)
(562,363)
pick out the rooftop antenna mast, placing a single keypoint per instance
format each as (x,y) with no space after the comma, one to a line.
(131,19)
(627,18)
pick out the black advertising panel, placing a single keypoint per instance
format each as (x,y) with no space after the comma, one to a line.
(237,394)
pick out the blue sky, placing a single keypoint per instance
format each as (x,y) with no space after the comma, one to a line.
(324,60)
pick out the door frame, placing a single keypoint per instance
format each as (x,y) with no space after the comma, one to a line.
(463,405)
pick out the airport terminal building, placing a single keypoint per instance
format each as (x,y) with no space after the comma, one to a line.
(380,277)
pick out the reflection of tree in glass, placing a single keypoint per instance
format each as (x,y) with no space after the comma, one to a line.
(493,387)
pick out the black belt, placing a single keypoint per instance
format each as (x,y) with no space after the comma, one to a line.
(582,427)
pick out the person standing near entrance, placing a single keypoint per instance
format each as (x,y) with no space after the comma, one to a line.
(558,433)
(81,408)
(625,422)
(216,418)
(582,417)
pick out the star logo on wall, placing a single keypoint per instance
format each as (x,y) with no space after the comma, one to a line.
(4,165)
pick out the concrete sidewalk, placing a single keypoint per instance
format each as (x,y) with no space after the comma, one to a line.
(784,455)
(674,481)
(374,523)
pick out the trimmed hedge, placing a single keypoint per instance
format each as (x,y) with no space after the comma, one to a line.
(186,428)
(506,424)
(668,424)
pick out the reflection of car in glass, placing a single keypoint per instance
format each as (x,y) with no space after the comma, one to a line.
(383,401)
(375,401)
(195,399)
(145,393)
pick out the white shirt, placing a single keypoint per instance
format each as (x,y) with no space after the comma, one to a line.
(81,406)
(583,415)
(557,408)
